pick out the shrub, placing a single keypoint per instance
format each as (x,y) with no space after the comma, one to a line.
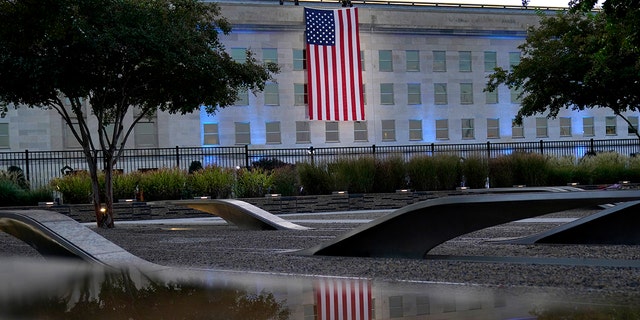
(421,173)
(518,168)
(252,183)
(75,188)
(285,181)
(448,169)
(163,184)
(125,186)
(475,170)
(529,169)
(562,170)
(501,172)
(353,175)
(195,166)
(10,192)
(33,197)
(269,164)
(213,181)
(18,177)
(314,179)
(607,167)
(390,175)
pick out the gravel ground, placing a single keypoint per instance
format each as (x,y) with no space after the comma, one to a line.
(229,248)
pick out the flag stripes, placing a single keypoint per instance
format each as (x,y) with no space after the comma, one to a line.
(334,73)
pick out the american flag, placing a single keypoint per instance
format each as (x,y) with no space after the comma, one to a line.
(334,71)
(343,299)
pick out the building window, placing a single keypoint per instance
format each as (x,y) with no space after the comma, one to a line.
(364,94)
(243,98)
(385,61)
(517,130)
(300,97)
(414,96)
(388,130)
(70,141)
(273,132)
(565,127)
(146,134)
(490,61)
(413,60)
(466,93)
(610,126)
(514,59)
(439,61)
(145,131)
(332,133)
(4,135)
(493,128)
(396,308)
(464,61)
(442,129)
(587,127)
(303,132)
(243,133)
(360,133)
(299,60)
(211,134)
(515,95)
(633,128)
(440,93)
(423,305)
(468,131)
(415,130)
(270,55)
(271,95)
(239,54)
(491,97)
(542,128)
(386,93)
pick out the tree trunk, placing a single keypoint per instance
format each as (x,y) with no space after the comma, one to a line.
(108,190)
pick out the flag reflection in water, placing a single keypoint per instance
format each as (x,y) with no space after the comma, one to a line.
(343,299)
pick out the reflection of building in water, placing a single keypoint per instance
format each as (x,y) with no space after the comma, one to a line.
(347,298)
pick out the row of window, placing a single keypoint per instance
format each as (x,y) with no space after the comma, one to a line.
(387,94)
(386,62)
(273,133)
(145,133)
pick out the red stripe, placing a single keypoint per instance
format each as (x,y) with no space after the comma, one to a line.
(344,34)
(358,70)
(316,68)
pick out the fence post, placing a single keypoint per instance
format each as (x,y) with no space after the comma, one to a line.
(541,147)
(592,151)
(488,150)
(26,164)
(373,149)
(246,156)
(177,157)
(433,148)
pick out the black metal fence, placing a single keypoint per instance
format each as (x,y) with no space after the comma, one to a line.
(40,167)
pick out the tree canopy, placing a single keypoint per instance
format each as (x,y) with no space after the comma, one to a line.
(101,58)
(579,59)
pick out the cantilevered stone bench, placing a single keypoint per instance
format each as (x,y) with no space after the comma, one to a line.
(617,225)
(242,214)
(54,234)
(412,231)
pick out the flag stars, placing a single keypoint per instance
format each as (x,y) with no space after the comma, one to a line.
(320,27)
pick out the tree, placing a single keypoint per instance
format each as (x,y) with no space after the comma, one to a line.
(579,59)
(106,57)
